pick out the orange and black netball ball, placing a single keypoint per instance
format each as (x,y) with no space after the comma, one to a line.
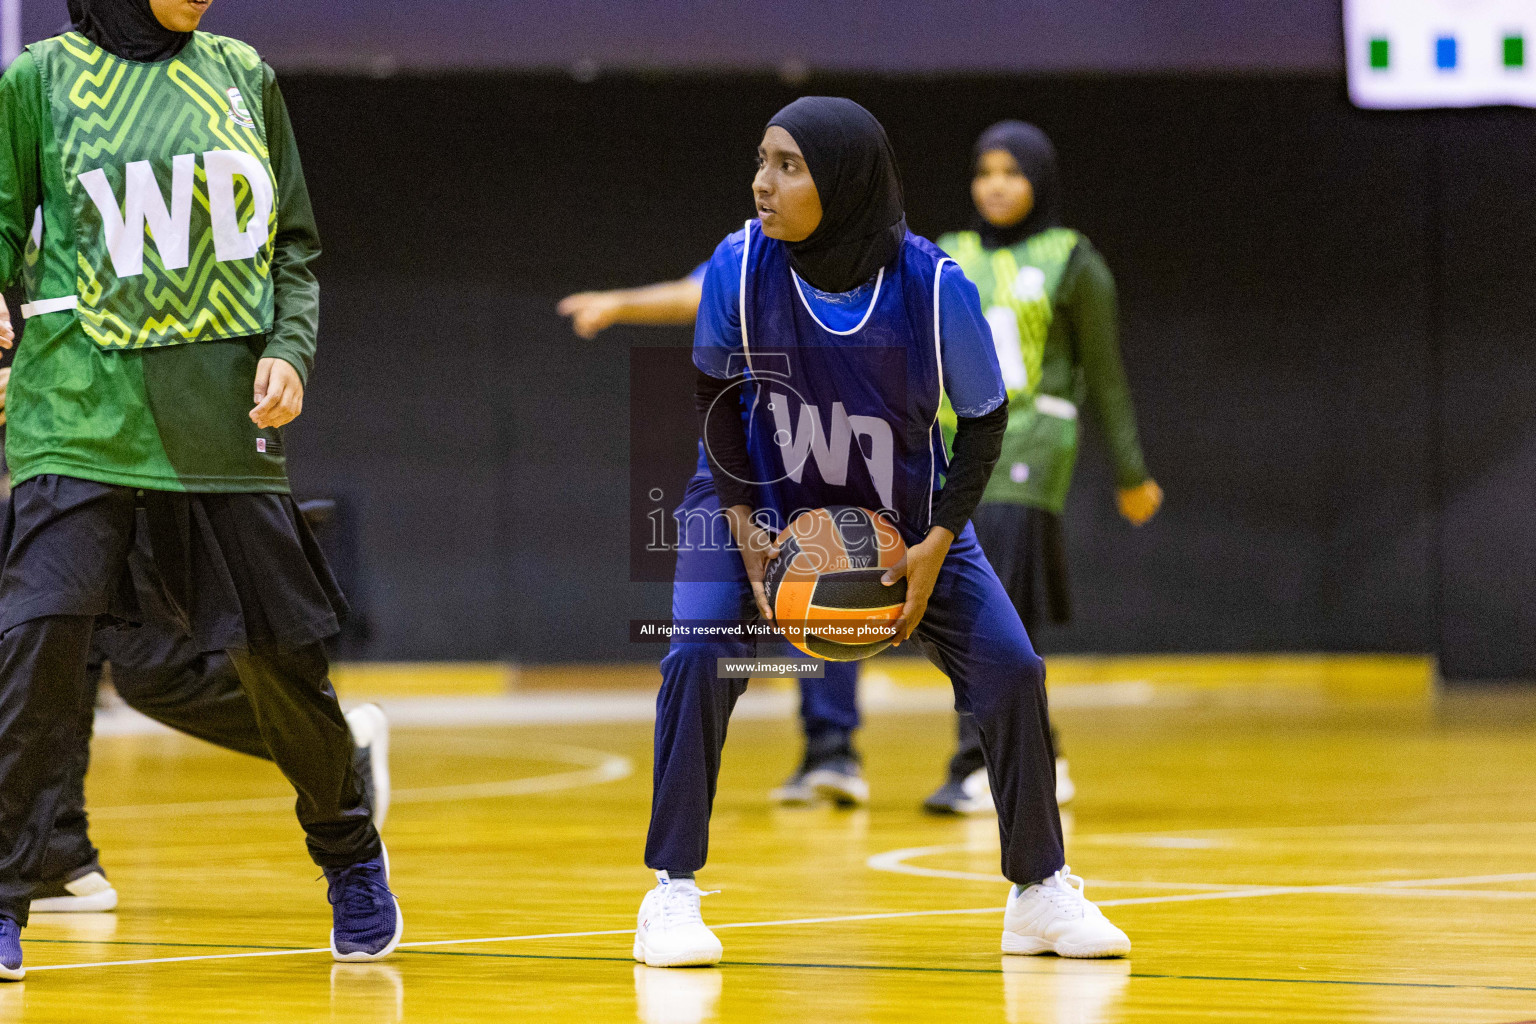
(824,587)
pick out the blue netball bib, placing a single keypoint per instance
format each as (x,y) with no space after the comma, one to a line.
(842,404)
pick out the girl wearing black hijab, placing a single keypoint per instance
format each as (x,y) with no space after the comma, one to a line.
(1050,301)
(146,31)
(167,347)
(827,339)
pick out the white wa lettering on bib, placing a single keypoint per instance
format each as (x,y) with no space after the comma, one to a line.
(171,227)
(806,440)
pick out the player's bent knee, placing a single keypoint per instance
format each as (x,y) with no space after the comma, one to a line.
(1023,668)
(699,662)
(1015,686)
(1032,670)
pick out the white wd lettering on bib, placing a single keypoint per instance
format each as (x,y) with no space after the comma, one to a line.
(1010,351)
(171,228)
(806,441)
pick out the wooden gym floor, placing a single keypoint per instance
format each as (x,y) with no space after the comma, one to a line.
(1277,852)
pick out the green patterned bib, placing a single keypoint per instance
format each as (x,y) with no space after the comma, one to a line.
(1018,287)
(167,168)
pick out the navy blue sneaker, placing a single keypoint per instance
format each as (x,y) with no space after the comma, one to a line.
(10,951)
(366,923)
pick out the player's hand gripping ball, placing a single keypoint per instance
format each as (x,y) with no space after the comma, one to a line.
(824,588)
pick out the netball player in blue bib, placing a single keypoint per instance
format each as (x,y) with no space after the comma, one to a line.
(831,768)
(825,338)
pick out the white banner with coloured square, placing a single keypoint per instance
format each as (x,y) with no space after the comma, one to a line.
(1440,53)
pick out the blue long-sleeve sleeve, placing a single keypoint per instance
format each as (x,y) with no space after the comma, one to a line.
(717,331)
(974,384)
(972,377)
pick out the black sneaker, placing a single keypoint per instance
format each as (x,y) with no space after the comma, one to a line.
(839,779)
(970,795)
(794,792)
(829,771)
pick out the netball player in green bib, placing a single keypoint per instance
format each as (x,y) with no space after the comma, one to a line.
(1050,301)
(153,207)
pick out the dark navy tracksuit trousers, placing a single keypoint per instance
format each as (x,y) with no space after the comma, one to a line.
(829,707)
(970,631)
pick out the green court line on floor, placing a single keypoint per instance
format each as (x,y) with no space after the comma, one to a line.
(148,942)
(905,968)
(990,970)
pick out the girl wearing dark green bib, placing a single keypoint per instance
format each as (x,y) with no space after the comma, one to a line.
(1050,301)
(153,207)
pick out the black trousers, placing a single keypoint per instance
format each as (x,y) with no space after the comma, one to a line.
(67,563)
(159,673)
(1027,548)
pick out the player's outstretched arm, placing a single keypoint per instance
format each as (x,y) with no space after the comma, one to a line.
(1096,324)
(666,304)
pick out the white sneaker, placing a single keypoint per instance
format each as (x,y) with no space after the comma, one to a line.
(978,793)
(370,737)
(1053,916)
(1065,790)
(89,894)
(670,932)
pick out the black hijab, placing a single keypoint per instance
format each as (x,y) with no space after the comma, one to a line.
(1036,157)
(850,160)
(126,29)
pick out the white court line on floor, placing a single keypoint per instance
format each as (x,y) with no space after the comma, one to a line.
(895,861)
(1528,876)
(604,767)
(175,959)
(576,707)
(1256,891)
(1186,836)
(519,938)
(1302,890)
(555,708)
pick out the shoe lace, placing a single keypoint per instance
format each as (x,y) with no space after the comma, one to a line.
(680,905)
(359,890)
(1065,891)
